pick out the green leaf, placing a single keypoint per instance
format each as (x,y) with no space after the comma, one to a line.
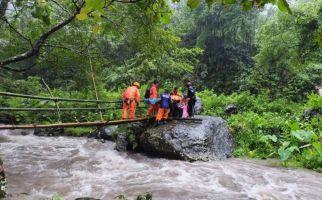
(56,198)
(81,16)
(272,137)
(284,154)
(193,3)
(247,5)
(294,126)
(166,18)
(210,2)
(227,2)
(317,146)
(303,135)
(283,6)
(285,144)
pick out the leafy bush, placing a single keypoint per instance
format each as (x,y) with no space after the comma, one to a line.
(266,128)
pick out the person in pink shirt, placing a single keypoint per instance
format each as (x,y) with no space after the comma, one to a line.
(184,107)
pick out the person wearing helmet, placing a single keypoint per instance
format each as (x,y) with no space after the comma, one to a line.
(131,98)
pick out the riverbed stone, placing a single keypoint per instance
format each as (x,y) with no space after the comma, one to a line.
(104,133)
(231,109)
(312,112)
(49,132)
(122,142)
(208,139)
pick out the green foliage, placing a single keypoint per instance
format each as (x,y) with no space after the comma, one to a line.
(288,55)
(266,128)
(56,198)
(33,86)
(227,50)
(314,101)
(78,132)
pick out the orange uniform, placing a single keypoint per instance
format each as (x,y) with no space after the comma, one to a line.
(131,97)
(153,95)
(162,114)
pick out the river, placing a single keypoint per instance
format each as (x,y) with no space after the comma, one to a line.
(41,167)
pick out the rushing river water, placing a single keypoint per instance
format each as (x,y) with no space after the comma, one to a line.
(41,167)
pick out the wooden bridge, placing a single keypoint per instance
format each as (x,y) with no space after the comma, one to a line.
(58,110)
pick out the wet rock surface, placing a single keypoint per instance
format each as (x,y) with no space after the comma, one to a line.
(189,140)
(49,132)
(231,109)
(104,132)
(309,113)
(122,142)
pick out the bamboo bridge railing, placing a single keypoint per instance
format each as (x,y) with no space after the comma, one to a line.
(70,124)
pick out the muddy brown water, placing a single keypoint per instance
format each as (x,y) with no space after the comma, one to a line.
(41,167)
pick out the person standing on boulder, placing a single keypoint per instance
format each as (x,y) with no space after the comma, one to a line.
(191,98)
(164,109)
(153,99)
(176,99)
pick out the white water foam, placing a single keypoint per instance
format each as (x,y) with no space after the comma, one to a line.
(40,167)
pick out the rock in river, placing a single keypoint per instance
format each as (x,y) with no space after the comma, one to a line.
(189,140)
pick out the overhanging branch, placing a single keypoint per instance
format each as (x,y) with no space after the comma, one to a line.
(42,39)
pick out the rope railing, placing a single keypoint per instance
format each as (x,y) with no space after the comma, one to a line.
(9,94)
(61,109)
(69,124)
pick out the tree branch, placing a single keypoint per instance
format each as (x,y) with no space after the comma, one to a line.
(18,70)
(42,39)
(16,31)
(130,1)
(60,6)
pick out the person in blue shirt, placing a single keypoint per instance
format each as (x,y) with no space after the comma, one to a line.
(164,109)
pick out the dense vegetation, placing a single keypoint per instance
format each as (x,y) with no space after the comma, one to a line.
(264,60)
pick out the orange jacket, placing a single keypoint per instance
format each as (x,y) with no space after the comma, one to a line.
(175,98)
(132,93)
(153,92)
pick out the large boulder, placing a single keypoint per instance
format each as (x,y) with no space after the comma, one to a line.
(128,136)
(208,139)
(198,106)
